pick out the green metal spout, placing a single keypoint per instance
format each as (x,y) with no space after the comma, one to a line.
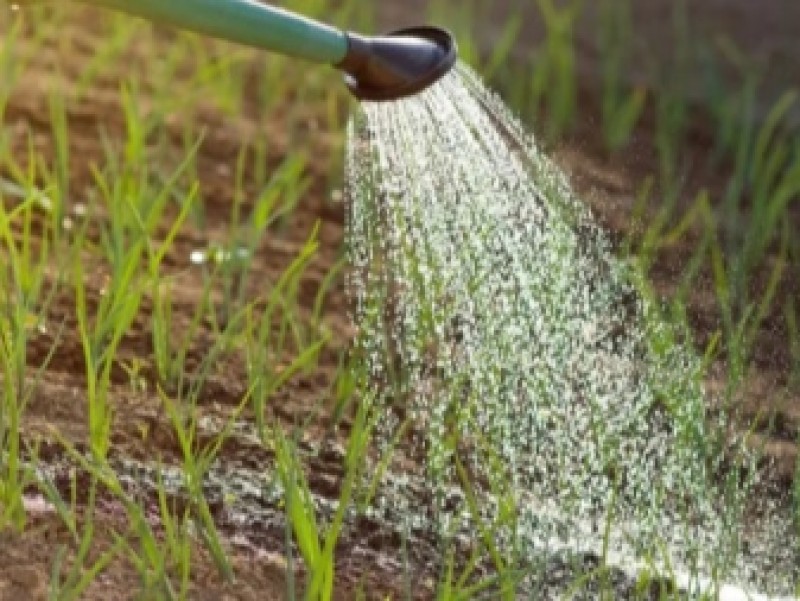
(381,68)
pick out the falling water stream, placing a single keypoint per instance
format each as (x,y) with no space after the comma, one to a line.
(521,376)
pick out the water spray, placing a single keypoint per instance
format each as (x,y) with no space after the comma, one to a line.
(379,68)
(570,405)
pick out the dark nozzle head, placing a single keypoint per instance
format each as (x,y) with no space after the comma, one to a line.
(399,64)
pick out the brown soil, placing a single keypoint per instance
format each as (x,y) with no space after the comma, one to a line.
(141,429)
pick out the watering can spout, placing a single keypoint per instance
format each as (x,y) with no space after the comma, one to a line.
(379,68)
(399,64)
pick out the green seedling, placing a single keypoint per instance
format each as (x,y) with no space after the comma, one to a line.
(672,103)
(196,463)
(554,80)
(110,52)
(70,583)
(268,330)
(27,294)
(620,109)
(317,545)
(10,64)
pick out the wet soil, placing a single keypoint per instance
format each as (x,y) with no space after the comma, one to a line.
(141,430)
